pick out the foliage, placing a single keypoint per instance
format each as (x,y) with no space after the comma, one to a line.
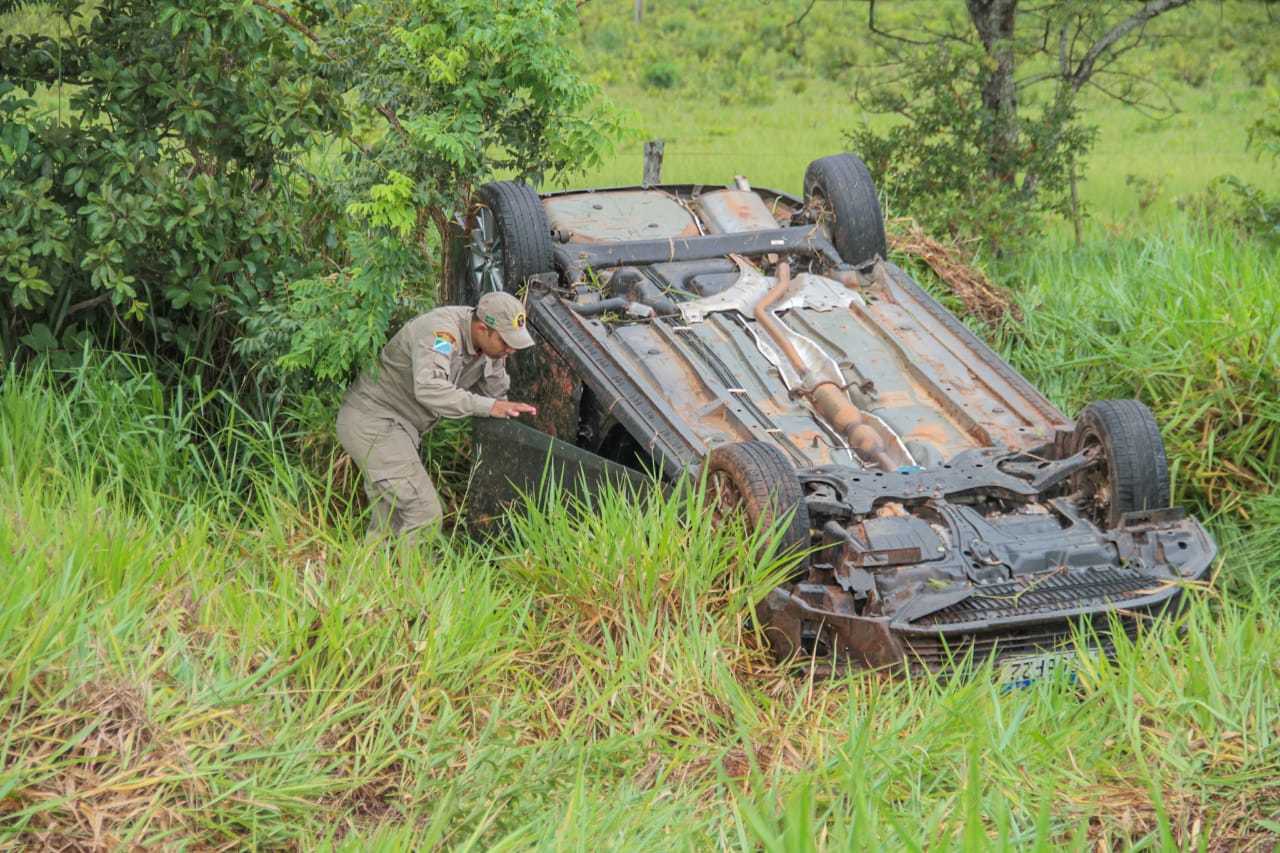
(1264,133)
(966,157)
(1233,203)
(937,165)
(242,173)
(1185,319)
(166,200)
(1148,190)
(1259,64)
(663,74)
(1230,203)
(1191,66)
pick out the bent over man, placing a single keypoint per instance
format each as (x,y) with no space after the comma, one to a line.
(448,363)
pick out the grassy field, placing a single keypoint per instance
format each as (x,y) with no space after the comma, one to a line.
(741,102)
(200,648)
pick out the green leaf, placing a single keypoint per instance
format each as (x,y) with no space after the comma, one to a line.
(40,339)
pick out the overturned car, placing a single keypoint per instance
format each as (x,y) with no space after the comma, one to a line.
(944,508)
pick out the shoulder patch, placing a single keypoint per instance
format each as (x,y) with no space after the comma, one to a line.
(444,343)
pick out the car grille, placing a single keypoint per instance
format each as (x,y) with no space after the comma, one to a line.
(938,651)
(1043,593)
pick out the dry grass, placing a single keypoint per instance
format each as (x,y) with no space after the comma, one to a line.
(953,265)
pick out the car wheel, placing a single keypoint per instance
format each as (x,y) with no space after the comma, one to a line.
(758,480)
(1133,473)
(839,192)
(508,241)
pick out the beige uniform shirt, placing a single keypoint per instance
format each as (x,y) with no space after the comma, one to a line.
(427,371)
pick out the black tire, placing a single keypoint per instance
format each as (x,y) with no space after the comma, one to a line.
(840,187)
(758,478)
(518,246)
(1135,471)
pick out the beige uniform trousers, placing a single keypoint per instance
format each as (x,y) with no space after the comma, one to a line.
(401,495)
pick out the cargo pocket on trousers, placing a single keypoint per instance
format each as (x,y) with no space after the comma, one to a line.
(398,492)
(414,502)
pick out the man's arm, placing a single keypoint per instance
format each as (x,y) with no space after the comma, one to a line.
(432,388)
(495,383)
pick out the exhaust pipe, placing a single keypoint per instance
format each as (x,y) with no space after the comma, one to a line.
(831,402)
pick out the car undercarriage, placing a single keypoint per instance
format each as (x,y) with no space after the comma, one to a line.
(939,507)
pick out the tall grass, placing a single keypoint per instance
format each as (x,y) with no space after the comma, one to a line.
(199,647)
(194,653)
(1187,321)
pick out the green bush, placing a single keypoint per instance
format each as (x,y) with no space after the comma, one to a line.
(168,199)
(1230,203)
(1193,67)
(260,188)
(1260,63)
(663,74)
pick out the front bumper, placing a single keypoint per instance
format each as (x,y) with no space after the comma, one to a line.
(1028,615)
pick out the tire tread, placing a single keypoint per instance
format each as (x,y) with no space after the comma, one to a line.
(526,235)
(768,485)
(846,184)
(1138,465)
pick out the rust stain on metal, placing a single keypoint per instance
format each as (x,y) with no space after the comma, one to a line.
(553,387)
(735,211)
(893,399)
(933,433)
(808,439)
(610,217)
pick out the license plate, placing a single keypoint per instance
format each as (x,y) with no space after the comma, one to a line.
(1020,672)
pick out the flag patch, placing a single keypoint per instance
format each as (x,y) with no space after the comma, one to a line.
(444,343)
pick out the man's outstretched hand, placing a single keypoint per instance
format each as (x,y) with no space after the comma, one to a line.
(509,409)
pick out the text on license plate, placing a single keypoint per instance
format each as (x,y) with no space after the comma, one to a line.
(1019,672)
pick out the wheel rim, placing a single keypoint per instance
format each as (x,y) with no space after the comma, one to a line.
(485,254)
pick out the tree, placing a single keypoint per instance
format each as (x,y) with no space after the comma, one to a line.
(265,184)
(989,99)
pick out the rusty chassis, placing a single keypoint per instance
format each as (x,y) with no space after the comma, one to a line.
(943,509)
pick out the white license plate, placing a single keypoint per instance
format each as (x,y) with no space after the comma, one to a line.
(1020,672)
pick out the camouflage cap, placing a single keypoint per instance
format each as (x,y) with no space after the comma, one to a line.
(503,313)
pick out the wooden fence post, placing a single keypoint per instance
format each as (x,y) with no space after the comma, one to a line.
(652,162)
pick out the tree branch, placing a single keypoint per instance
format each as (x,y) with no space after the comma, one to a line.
(1134,103)
(1084,69)
(871,25)
(1033,79)
(1146,105)
(390,115)
(92,302)
(293,23)
(1064,64)
(795,22)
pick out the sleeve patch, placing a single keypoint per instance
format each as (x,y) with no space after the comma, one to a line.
(444,343)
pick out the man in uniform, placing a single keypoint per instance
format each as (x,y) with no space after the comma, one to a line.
(448,363)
